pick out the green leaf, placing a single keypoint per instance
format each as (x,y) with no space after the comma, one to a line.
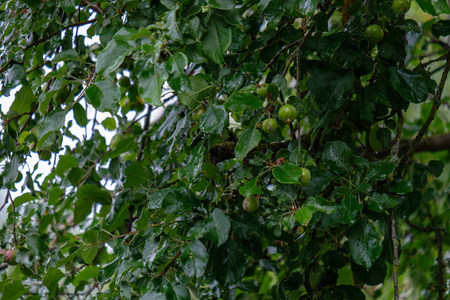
(197,91)
(53,122)
(104,95)
(375,275)
(380,202)
(338,156)
(250,188)
(319,204)
(65,162)
(93,193)
(218,227)
(194,257)
(400,186)
(51,279)
(246,226)
(79,114)
(380,170)
(408,204)
(303,215)
(217,39)
(348,209)
(307,7)
(171,23)
(328,86)
(222,4)
(435,167)
(85,274)
(239,100)
(193,166)
(13,290)
(23,100)
(365,243)
(248,140)
(228,263)
(110,58)
(214,120)
(441,28)
(10,171)
(135,174)
(287,173)
(412,86)
(320,179)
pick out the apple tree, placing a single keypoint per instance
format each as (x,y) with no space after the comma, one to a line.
(292,149)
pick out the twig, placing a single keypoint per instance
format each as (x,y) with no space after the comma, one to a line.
(8,194)
(94,7)
(440,260)
(5,202)
(432,114)
(395,254)
(46,38)
(441,267)
(145,129)
(398,136)
(171,263)
(424,229)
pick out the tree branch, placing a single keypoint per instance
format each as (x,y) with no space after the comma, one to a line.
(432,114)
(431,144)
(94,7)
(46,38)
(395,255)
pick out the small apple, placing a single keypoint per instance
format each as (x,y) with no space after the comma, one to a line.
(269,125)
(198,113)
(10,257)
(401,7)
(287,113)
(124,82)
(45,154)
(306,177)
(262,90)
(250,204)
(374,33)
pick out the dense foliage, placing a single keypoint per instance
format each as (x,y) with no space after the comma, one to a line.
(339,195)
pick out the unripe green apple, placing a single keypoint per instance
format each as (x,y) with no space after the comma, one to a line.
(306,177)
(262,90)
(269,125)
(198,113)
(401,6)
(250,204)
(287,113)
(374,33)
(45,154)
(124,82)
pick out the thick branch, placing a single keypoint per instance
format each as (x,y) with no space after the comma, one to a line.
(431,144)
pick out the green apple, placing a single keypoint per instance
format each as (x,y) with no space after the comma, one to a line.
(250,204)
(45,154)
(374,33)
(401,6)
(262,90)
(306,177)
(287,113)
(198,113)
(269,125)
(124,82)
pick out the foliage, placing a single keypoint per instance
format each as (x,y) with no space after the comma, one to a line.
(157,212)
